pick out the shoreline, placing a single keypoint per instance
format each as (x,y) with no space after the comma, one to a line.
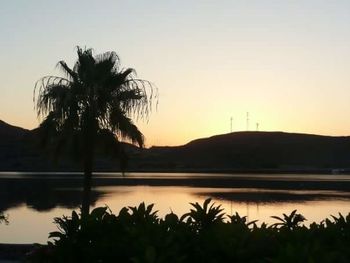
(300,171)
(213,180)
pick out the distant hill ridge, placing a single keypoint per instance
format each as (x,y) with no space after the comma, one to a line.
(259,134)
(10,130)
(257,151)
(238,151)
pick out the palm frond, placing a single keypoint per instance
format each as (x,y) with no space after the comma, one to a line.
(94,95)
(125,128)
(71,75)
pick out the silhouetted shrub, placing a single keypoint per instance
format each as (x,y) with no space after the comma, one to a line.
(3,218)
(204,234)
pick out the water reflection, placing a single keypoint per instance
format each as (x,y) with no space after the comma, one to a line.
(42,194)
(266,196)
(32,202)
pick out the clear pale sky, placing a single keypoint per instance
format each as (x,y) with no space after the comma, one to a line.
(287,63)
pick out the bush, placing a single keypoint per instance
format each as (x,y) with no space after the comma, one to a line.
(205,234)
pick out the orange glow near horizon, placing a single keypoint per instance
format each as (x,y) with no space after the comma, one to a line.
(285,63)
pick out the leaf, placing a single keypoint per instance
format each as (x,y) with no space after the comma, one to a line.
(278,218)
(98,212)
(75,216)
(56,234)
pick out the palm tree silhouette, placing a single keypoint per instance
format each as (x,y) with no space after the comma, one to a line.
(94,101)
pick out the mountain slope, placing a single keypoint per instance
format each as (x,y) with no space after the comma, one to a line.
(10,145)
(258,150)
(9,131)
(239,151)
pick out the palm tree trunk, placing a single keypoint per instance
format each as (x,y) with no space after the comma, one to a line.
(89,145)
(85,208)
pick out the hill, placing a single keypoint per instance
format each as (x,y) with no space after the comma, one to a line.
(238,151)
(8,131)
(11,138)
(22,150)
(255,151)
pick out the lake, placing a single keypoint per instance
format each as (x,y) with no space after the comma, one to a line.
(32,200)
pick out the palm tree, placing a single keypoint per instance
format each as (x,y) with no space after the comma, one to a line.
(94,101)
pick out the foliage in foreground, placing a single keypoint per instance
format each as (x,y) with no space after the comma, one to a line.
(204,234)
(3,218)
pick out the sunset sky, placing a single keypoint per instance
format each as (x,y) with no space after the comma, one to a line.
(287,63)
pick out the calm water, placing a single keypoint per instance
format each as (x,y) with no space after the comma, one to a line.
(32,200)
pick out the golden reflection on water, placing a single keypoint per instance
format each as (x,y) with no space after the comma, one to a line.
(28,225)
(166,199)
(177,199)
